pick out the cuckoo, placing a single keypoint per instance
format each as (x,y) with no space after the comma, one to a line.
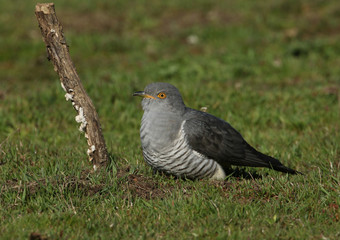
(192,144)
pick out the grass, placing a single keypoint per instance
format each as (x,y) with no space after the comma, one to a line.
(270,68)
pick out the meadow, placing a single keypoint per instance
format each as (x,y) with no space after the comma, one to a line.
(270,68)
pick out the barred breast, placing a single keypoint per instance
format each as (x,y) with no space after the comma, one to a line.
(178,158)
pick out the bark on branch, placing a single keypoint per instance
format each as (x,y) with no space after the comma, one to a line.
(58,53)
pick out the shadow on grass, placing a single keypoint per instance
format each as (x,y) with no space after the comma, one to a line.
(238,173)
(241,173)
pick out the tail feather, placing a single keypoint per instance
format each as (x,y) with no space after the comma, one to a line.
(262,160)
(285,169)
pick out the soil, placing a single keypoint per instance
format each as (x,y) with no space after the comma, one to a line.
(142,186)
(132,184)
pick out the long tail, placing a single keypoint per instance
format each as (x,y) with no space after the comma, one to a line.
(280,167)
(262,160)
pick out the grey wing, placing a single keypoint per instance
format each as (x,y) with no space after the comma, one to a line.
(218,140)
(215,139)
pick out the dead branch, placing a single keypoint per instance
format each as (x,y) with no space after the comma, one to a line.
(58,53)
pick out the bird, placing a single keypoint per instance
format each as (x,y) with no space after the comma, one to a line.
(188,143)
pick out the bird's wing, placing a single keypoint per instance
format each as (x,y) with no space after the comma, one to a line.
(218,140)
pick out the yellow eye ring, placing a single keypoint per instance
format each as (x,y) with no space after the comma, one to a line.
(161,95)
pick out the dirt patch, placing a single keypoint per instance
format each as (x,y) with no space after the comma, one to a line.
(141,186)
(2,95)
(37,236)
(92,21)
(146,188)
(62,183)
(133,184)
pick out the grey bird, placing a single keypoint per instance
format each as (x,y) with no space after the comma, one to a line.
(187,143)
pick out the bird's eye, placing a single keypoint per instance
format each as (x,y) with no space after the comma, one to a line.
(161,95)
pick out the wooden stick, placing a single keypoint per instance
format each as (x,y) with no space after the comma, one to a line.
(58,52)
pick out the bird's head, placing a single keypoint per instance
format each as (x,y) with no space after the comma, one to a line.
(161,97)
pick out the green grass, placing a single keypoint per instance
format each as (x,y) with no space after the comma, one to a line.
(270,68)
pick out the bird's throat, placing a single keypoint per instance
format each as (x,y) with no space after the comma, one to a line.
(158,129)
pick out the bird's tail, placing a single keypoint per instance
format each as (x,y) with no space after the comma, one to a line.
(283,168)
(263,160)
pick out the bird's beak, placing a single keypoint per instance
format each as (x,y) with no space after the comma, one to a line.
(143,94)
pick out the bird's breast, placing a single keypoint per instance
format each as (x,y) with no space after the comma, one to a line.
(166,149)
(158,130)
